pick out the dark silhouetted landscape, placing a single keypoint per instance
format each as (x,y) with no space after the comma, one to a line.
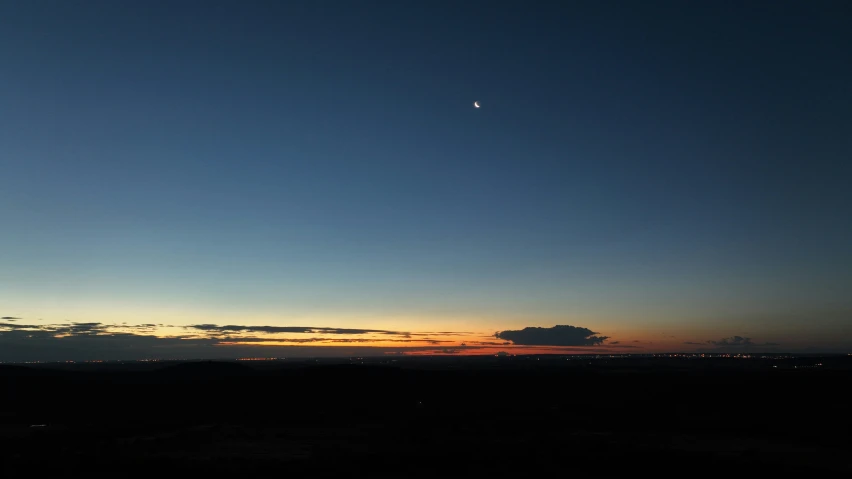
(423,417)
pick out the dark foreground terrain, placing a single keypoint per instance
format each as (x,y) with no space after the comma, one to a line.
(427,418)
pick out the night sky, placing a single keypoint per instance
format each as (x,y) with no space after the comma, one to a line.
(224,178)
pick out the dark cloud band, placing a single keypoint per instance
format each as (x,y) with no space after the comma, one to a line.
(560,335)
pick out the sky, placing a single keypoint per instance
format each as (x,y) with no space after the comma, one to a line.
(312,178)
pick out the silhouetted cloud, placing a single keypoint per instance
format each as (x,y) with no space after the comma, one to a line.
(397,333)
(694,343)
(733,344)
(81,328)
(732,341)
(48,345)
(615,342)
(441,333)
(10,326)
(10,318)
(636,341)
(94,340)
(318,339)
(286,329)
(560,335)
(29,343)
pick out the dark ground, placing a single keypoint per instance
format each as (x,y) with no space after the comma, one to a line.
(418,418)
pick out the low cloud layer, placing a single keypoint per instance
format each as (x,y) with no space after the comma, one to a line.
(560,335)
(22,340)
(213,328)
(732,341)
(81,341)
(739,341)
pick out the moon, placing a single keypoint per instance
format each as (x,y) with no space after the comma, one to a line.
(476,104)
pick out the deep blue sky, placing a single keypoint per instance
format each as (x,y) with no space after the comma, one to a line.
(638,168)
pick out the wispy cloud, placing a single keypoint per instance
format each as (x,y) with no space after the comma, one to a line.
(288,329)
(317,339)
(94,340)
(732,341)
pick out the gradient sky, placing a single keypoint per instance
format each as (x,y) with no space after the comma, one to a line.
(661,173)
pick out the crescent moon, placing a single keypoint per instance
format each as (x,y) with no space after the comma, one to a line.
(476,104)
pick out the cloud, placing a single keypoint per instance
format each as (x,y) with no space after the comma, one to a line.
(10,326)
(441,333)
(213,328)
(10,318)
(635,340)
(732,341)
(92,340)
(560,335)
(732,344)
(19,345)
(317,339)
(81,328)
(48,345)
(615,342)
